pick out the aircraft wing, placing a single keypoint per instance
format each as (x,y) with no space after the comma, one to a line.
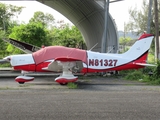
(53,66)
(58,63)
(25,47)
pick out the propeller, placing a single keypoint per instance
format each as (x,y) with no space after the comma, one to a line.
(6,59)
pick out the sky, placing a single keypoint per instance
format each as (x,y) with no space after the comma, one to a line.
(118,10)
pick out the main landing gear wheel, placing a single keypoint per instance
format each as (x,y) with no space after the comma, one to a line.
(21,82)
(63,83)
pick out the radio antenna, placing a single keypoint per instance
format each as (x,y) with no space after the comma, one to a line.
(93,46)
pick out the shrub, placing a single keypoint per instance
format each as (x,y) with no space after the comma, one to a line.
(5,65)
(135,75)
(156,72)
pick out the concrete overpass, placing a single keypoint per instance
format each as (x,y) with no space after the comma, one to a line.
(88,16)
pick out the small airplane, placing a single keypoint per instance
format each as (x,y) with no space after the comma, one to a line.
(71,60)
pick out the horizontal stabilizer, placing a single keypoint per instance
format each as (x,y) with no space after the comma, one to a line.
(144,64)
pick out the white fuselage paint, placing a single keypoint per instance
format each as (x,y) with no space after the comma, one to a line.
(24,59)
(104,61)
(99,61)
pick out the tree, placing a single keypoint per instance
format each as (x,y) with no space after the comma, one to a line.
(3,45)
(68,36)
(32,33)
(6,13)
(46,19)
(123,42)
(138,18)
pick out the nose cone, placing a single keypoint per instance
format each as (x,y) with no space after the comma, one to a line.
(8,58)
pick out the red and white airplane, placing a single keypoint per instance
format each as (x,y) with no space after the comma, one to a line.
(67,60)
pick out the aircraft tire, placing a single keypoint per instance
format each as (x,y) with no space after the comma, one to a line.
(21,82)
(63,83)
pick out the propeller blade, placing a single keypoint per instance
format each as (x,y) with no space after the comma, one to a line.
(4,61)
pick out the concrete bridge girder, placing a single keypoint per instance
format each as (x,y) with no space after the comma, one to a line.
(88,16)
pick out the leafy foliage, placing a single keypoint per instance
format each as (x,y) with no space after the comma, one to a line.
(39,31)
(124,42)
(6,13)
(138,19)
(150,75)
(45,19)
(135,75)
(5,65)
(156,72)
(3,45)
(67,36)
(33,33)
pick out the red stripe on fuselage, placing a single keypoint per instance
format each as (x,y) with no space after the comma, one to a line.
(132,65)
(42,65)
(30,67)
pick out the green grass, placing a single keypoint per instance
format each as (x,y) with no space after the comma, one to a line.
(72,85)
(24,85)
(151,80)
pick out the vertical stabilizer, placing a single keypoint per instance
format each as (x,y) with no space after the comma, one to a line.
(140,47)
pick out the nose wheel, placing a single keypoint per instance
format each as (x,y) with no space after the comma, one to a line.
(22,78)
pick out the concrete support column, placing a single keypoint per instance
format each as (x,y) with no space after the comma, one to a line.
(104,38)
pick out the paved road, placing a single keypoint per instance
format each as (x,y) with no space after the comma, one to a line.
(95,99)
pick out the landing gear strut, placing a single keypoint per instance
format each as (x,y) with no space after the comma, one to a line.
(67,75)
